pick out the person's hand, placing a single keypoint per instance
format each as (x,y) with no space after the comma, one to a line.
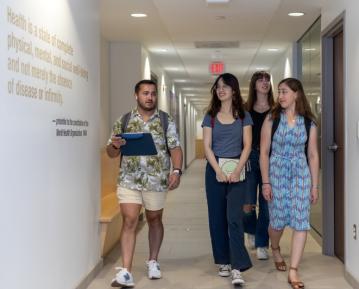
(314,195)
(117,141)
(173,181)
(234,177)
(221,177)
(267,192)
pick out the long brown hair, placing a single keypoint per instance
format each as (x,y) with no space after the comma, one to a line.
(252,95)
(302,106)
(237,101)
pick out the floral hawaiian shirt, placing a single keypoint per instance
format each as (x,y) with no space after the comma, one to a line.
(147,173)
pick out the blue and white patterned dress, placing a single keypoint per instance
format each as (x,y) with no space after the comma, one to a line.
(290,177)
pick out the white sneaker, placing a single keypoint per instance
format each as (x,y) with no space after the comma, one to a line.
(262,253)
(251,241)
(237,278)
(224,270)
(154,271)
(123,278)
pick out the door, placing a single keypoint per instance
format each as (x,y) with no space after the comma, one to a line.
(338,145)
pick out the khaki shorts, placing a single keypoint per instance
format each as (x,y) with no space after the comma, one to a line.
(152,201)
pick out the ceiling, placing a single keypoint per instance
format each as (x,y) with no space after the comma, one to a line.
(175,25)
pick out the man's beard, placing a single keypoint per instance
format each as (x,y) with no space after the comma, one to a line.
(146,108)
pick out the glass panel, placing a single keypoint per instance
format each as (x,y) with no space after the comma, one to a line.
(311,79)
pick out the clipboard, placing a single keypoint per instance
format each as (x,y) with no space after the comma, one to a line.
(138,144)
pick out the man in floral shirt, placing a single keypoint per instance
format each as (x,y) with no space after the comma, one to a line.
(144,180)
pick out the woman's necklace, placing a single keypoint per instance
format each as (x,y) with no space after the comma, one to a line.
(291,118)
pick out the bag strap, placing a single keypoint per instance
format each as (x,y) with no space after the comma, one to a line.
(164,124)
(212,122)
(275,124)
(124,121)
(308,124)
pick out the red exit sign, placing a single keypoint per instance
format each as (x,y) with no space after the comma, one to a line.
(216,67)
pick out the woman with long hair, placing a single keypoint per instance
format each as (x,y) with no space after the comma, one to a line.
(260,102)
(227,135)
(289,164)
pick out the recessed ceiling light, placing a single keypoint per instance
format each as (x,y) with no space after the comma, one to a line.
(163,50)
(260,68)
(138,15)
(272,49)
(217,1)
(296,14)
(172,69)
(309,49)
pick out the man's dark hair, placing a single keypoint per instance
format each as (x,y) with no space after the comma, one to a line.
(144,81)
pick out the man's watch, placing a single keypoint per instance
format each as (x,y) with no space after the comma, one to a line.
(177,171)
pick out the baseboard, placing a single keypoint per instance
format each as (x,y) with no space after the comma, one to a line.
(90,276)
(190,163)
(316,236)
(351,280)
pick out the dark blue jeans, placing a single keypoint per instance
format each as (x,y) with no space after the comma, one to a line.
(253,224)
(225,213)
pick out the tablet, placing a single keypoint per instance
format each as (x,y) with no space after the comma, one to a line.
(138,144)
(130,135)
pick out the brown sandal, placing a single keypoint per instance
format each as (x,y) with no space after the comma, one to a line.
(295,284)
(280,266)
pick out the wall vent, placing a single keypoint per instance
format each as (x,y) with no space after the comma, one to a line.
(216,44)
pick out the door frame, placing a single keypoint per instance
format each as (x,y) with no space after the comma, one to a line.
(327,36)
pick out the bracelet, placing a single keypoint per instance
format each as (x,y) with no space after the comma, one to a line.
(315,187)
(266,184)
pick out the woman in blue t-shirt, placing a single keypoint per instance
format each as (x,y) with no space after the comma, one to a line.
(227,134)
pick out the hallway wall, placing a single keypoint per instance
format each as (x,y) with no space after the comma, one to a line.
(49,123)
(126,61)
(125,71)
(282,68)
(105,119)
(117,86)
(191,131)
(330,11)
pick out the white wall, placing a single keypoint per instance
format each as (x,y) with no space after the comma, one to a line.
(181,119)
(125,72)
(279,72)
(105,123)
(199,130)
(191,133)
(50,187)
(164,82)
(330,11)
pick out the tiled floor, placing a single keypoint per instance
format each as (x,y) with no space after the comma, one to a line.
(186,259)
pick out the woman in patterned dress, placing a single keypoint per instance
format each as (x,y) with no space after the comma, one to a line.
(290,168)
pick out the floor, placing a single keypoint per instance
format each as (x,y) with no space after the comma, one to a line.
(186,259)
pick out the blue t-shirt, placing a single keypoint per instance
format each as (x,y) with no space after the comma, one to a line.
(227,139)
